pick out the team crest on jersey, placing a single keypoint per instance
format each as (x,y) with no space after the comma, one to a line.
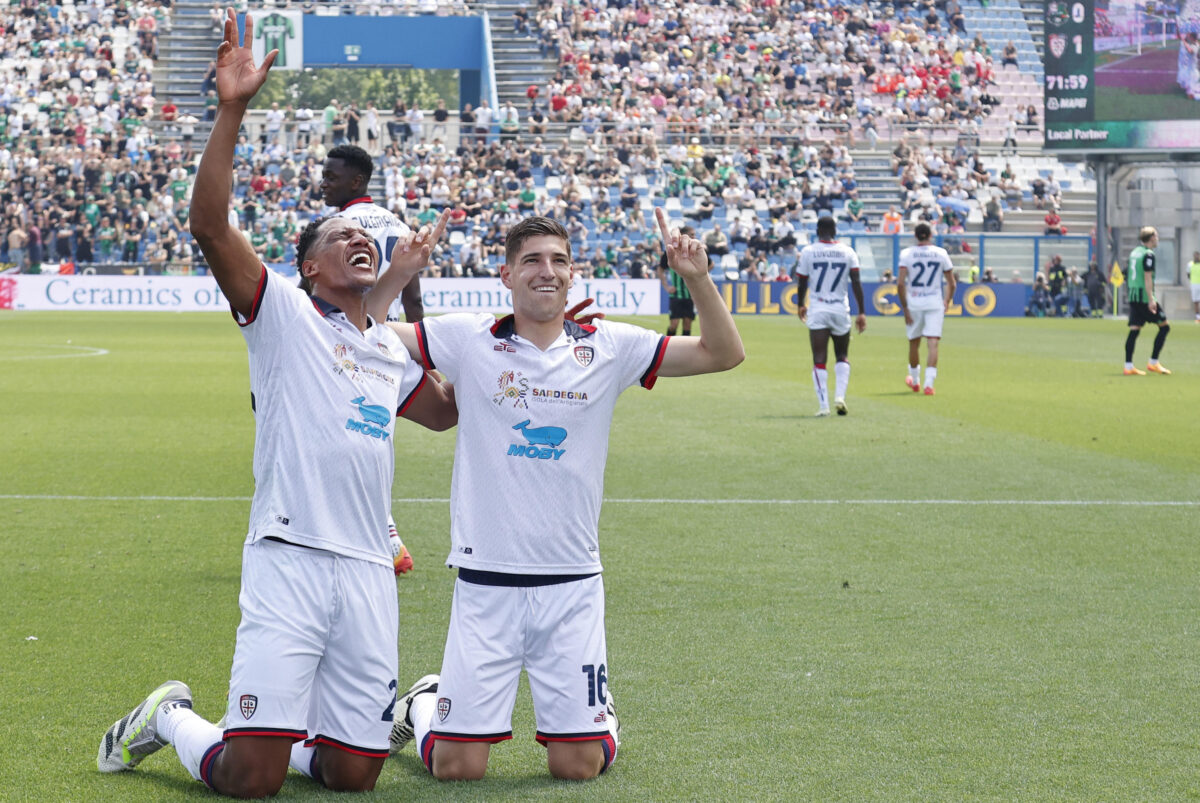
(1058,44)
(584,354)
(443,708)
(248,704)
(383,349)
(512,388)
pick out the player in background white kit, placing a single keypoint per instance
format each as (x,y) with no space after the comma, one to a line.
(313,681)
(925,284)
(826,269)
(536,396)
(345,180)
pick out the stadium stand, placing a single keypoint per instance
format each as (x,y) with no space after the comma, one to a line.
(756,119)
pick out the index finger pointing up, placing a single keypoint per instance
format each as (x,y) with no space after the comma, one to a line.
(440,228)
(662,224)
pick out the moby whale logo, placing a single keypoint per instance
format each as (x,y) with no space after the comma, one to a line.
(541,442)
(374,416)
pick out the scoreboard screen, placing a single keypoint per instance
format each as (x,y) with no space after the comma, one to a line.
(1121,75)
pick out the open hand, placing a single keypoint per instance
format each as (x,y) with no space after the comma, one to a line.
(237,77)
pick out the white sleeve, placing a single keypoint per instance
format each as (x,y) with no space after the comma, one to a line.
(805,266)
(276,304)
(639,352)
(444,339)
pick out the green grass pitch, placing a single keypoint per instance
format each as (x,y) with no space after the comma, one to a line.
(975,596)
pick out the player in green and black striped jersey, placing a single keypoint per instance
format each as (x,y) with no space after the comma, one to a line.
(1143,309)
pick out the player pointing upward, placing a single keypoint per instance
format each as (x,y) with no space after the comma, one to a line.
(831,267)
(925,285)
(525,504)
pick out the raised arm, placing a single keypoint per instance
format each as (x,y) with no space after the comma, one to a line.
(410,255)
(233,263)
(719,346)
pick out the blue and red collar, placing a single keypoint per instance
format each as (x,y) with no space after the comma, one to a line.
(506,327)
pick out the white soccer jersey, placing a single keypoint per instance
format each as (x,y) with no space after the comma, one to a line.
(385,228)
(827,264)
(325,396)
(926,282)
(532,436)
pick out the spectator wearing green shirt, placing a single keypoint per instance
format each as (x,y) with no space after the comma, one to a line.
(106,240)
(854,211)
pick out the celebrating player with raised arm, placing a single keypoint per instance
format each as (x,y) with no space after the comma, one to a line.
(536,394)
(313,683)
(831,266)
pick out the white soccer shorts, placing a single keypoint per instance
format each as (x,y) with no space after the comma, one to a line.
(316,652)
(836,320)
(1196,293)
(556,632)
(926,323)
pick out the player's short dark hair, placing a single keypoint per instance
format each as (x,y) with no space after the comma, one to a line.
(354,157)
(303,243)
(533,226)
(826,227)
(922,232)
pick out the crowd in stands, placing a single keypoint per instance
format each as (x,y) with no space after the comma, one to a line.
(81,177)
(717,107)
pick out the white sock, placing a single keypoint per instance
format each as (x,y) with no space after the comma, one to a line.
(421,713)
(190,734)
(301,758)
(821,384)
(915,372)
(841,374)
(930,375)
(1128,365)
(1152,361)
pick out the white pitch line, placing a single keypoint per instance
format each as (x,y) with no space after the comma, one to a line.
(615,501)
(78,351)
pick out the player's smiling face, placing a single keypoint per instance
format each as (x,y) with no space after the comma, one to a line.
(539,277)
(344,257)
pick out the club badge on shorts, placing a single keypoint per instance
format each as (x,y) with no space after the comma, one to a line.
(443,708)
(248,704)
(583,355)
